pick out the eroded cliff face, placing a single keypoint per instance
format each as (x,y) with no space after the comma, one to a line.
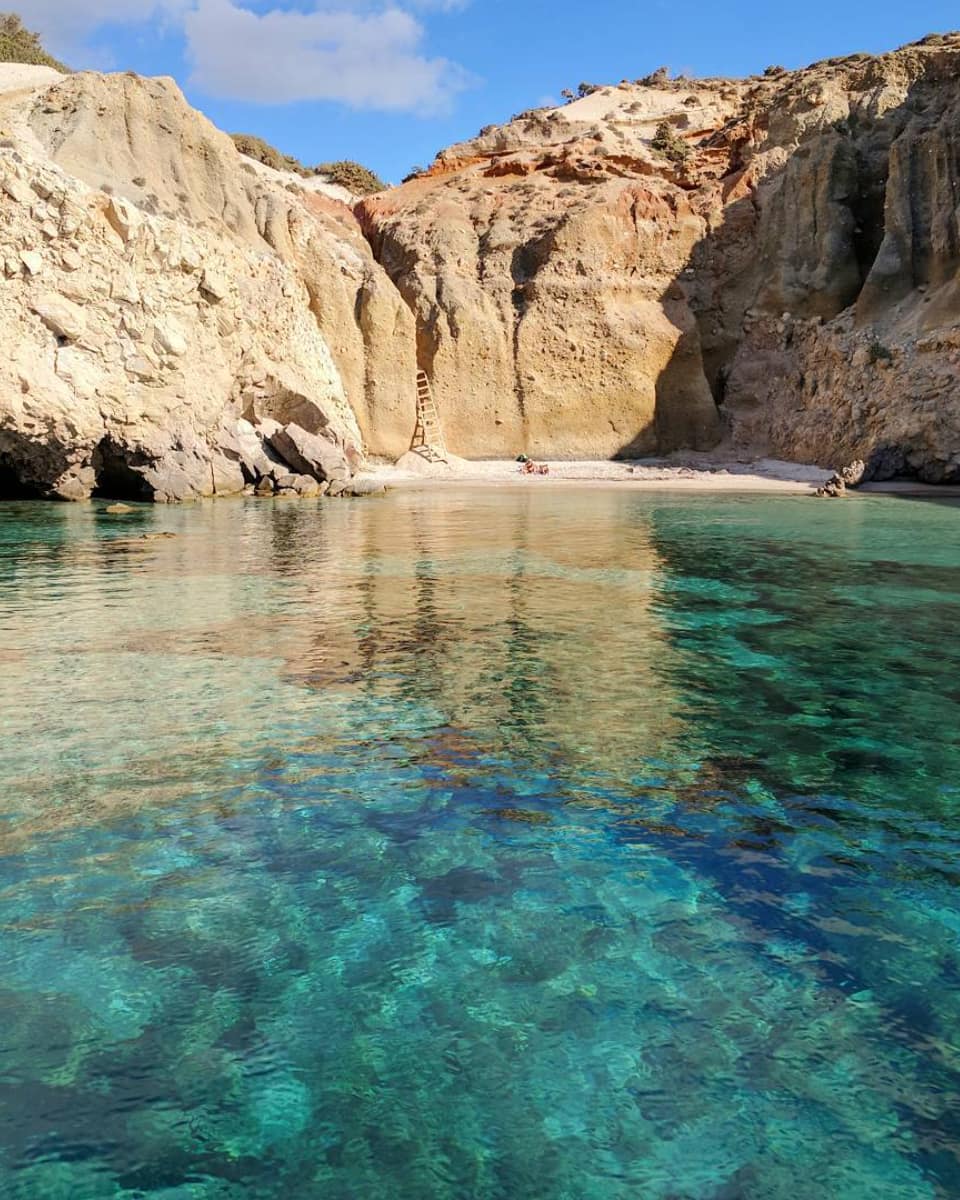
(827,296)
(767,264)
(542,264)
(787,284)
(159,288)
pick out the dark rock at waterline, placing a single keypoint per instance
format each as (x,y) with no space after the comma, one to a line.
(301,485)
(309,453)
(850,476)
(835,488)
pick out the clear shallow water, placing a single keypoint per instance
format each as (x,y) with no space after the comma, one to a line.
(573,845)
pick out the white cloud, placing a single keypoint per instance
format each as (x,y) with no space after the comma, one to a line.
(366,60)
(66,24)
(357,52)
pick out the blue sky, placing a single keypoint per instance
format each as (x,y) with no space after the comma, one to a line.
(391,83)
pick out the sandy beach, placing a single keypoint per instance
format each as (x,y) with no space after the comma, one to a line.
(689,472)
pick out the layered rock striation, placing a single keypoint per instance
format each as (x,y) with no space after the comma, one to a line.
(767,264)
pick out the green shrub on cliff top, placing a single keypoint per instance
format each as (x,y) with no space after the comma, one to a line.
(262,152)
(353,176)
(348,174)
(19,45)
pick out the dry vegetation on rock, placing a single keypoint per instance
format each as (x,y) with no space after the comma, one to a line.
(352,176)
(262,152)
(670,144)
(345,173)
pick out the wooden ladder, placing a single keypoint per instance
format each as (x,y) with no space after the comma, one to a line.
(428,435)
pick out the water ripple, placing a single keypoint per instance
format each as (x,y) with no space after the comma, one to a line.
(491,845)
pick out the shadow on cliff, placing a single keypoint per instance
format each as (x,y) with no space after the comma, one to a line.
(686,413)
(819,237)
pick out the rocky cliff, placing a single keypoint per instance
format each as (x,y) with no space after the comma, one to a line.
(767,263)
(662,264)
(169,304)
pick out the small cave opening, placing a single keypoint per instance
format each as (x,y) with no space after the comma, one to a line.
(116,479)
(12,484)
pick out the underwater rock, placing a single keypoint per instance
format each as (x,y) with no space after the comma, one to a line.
(523,816)
(459,885)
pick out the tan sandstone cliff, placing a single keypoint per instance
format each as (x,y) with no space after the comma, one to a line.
(787,283)
(767,263)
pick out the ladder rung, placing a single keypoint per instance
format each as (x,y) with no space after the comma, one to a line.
(427,434)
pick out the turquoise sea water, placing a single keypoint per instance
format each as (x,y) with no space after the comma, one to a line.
(554,844)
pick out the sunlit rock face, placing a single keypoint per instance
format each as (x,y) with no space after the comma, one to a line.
(785,279)
(159,287)
(768,263)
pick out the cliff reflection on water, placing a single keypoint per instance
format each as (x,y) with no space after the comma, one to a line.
(531,626)
(537,842)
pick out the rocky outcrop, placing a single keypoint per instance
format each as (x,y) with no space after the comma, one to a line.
(828,295)
(549,317)
(788,283)
(157,290)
